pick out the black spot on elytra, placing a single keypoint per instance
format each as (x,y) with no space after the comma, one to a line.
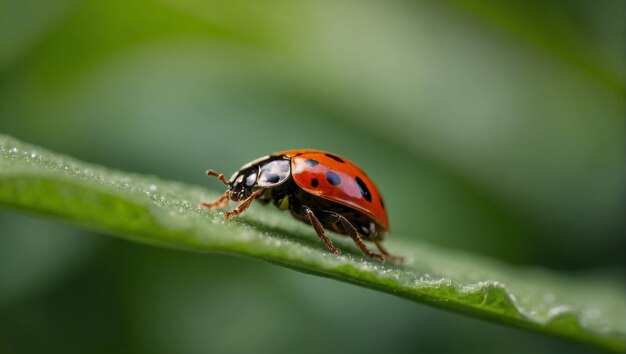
(311,162)
(272,177)
(332,178)
(315,182)
(336,158)
(364,191)
(382,204)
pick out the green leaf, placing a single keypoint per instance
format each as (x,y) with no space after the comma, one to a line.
(149,210)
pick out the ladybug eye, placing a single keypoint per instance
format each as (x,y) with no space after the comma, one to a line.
(232,178)
(237,182)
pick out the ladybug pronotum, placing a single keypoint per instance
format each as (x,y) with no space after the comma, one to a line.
(321,189)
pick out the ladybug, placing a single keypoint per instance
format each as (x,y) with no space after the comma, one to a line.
(319,188)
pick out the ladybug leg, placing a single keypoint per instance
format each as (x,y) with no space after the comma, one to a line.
(319,229)
(244,205)
(358,240)
(220,202)
(219,176)
(386,254)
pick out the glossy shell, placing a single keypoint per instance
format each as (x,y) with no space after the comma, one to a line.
(337,179)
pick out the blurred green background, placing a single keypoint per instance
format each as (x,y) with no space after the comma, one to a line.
(489,126)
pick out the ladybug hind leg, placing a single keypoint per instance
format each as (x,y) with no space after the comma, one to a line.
(356,237)
(386,254)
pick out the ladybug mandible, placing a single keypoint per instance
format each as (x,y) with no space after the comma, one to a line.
(321,189)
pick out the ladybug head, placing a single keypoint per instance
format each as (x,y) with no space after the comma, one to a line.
(266,172)
(243,183)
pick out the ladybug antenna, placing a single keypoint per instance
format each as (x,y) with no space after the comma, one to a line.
(219,176)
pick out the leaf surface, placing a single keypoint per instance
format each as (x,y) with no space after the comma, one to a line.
(588,309)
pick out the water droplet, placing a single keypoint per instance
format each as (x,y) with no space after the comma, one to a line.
(152,188)
(13,150)
(558,310)
(33,154)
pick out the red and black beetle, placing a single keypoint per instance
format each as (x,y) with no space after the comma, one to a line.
(319,188)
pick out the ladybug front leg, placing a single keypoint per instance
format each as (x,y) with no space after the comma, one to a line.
(244,205)
(319,229)
(220,202)
(356,237)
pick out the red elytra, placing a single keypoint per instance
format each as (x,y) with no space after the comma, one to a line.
(355,189)
(322,189)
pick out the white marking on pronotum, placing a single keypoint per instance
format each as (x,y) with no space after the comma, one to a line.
(254,162)
(280,168)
